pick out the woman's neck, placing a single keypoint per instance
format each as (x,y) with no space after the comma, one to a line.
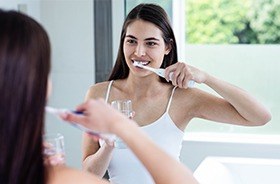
(143,86)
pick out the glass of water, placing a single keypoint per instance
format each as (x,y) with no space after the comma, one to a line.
(54,151)
(125,107)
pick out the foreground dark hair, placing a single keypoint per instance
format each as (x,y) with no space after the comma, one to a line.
(156,15)
(24,69)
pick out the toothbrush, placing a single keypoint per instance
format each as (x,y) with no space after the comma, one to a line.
(59,112)
(160,72)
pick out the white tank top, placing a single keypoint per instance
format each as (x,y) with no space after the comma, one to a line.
(125,168)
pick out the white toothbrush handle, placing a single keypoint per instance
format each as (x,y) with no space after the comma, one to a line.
(161,73)
(108,137)
(191,83)
(58,112)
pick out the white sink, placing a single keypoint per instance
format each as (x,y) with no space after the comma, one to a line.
(235,170)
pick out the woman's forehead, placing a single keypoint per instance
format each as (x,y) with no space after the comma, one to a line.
(143,30)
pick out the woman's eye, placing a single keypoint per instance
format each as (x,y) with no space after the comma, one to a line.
(131,41)
(151,43)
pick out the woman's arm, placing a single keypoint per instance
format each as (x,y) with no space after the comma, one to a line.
(63,174)
(236,105)
(253,112)
(99,116)
(96,159)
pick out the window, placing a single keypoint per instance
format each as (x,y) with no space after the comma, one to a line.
(233,22)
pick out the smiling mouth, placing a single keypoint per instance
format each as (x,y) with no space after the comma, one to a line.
(145,63)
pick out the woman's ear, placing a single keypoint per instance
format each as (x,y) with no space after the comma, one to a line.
(49,87)
(168,47)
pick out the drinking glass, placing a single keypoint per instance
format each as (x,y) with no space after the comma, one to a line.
(54,151)
(125,107)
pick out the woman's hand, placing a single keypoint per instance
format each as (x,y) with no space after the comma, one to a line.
(51,158)
(183,73)
(97,115)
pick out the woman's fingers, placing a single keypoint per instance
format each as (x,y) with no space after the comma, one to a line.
(180,74)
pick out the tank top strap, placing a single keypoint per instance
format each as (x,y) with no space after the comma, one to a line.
(108,91)
(170,99)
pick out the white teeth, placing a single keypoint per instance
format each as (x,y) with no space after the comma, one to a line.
(142,62)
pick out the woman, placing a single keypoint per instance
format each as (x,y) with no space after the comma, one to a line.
(163,108)
(24,71)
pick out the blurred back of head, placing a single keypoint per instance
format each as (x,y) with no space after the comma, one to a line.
(24,70)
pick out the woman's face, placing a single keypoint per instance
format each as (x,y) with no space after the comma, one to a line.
(143,42)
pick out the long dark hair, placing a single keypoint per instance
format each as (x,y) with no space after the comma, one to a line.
(156,15)
(24,70)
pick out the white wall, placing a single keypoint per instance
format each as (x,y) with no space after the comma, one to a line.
(30,7)
(118,17)
(70,27)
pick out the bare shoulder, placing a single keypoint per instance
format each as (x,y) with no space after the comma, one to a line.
(63,174)
(97,90)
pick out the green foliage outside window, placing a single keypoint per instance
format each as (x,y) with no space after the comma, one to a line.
(233,22)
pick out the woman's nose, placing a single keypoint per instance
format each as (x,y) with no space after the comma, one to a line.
(140,51)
